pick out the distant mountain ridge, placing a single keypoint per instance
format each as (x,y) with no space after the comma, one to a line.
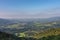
(12,21)
(42,20)
(5,21)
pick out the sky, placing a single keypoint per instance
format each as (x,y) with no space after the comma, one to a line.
(29,8)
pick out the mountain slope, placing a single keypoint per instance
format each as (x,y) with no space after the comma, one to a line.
(6,36)
(4,22)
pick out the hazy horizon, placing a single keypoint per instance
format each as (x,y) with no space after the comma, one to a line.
(29,8)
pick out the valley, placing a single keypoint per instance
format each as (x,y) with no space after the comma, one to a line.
(31,28)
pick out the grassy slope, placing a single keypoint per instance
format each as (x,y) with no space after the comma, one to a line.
(46,33)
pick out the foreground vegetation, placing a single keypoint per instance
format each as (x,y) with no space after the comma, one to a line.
(51,34)
(5,36)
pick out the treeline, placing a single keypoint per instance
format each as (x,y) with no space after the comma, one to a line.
(53,37)
(6,36)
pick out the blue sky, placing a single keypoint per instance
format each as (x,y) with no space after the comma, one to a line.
(29,8)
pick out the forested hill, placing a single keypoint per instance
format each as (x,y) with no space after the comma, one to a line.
(6,36)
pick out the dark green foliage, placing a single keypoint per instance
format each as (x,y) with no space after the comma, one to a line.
(6,36)
(57,37)
(30,38)
(53,37)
